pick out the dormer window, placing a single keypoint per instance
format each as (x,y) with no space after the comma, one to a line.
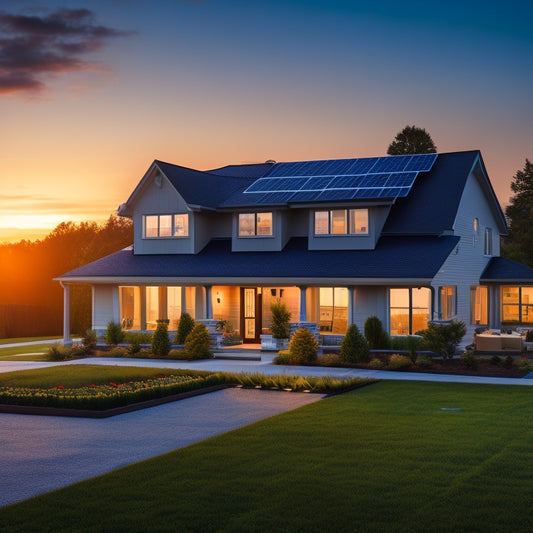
(175,225)
(255,224)
(341,222)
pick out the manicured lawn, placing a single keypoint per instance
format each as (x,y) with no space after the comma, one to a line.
(39,353)
(395,456)
(27,339)
(71,376)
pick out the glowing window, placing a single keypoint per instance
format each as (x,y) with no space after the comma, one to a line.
(255,224)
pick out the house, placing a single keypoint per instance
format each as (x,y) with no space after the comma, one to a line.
(409,239)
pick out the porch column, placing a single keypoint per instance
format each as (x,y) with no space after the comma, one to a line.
(66,313)
(208,303)
(351,292)
(117,319)
(303,304)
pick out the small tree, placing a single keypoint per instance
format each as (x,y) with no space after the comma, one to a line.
(114,333)
(412,140)
(354,347)
(280,326)
(160,340)
(444,338)
(198,342)
(89,340)
(375,335)
(303,347)
(185,326)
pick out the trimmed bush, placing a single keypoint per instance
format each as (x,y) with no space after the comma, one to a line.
(376,364)
(495,360)
(443,338)
(399,362)
(139,337)
(280,326)
(114,333)
(58,352)
(117,351)
(198,343)
(134,348)
(375,335)
(354,347)
(89,340)
(469,360)
(185,326)
(424,361)
(303,347)
(508,362)
(283,358)
(160,340)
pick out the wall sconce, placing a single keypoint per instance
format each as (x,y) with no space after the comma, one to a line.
(273,292)
(219,297)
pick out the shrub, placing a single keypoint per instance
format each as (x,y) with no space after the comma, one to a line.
(59,352)
(495,360)
(134,348)
(424,361)
(329,359)
(160,340)
(354,347)
(375,335)
(376,364)
(469,360)
(185,326)
(114,333)
(198,343)
(524,364)
(303,346)
(139,337)
(399,362)
(280,326)
(443,338)
(117,351)
(89,340)
(283,358)
(410,343)
(508,362)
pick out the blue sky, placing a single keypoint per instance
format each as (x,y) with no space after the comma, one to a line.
(207,83)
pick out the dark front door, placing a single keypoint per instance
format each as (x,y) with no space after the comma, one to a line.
(250,314)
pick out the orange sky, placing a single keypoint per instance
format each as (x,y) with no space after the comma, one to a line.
(204,84)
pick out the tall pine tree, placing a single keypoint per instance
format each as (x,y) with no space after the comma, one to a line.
(518,244)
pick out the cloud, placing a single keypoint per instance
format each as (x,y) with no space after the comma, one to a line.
(34,47)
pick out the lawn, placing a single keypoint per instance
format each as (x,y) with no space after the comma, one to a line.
(395,456)
(37,352)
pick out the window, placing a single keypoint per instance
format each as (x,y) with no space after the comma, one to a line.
(166,226)
(479,305)
(488,241)
(333,309)
(130,307)
(255,224)
(409,310)
(341,222)
(447,302)
(517,305)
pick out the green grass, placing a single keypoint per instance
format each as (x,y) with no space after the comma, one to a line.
(381,458)
(27,339)
(72,376)
(13,354)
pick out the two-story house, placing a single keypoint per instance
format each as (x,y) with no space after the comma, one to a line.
(408,239)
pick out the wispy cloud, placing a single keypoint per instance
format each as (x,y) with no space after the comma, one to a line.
(34,47)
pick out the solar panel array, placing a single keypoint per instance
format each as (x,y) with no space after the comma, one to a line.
(340,179)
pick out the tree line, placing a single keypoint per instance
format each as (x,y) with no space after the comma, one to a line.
(31,303)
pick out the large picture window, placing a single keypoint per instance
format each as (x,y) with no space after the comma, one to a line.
(409,310)
(479,302)
(156,226)
(255,224)
(333,309)
(341,222)
(517,305)
(447,302)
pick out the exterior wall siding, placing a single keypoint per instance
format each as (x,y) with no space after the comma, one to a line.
(103,304)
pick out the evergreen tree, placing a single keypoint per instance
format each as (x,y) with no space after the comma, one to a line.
(412,140)
(519,213)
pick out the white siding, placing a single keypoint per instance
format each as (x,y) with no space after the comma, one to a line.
(370,301)
(103,303)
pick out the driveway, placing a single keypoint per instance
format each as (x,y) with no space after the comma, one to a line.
(42,453)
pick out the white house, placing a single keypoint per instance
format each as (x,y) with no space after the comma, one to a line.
(408,239)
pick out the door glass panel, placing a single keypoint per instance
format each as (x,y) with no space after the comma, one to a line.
(249,324)
(249,303)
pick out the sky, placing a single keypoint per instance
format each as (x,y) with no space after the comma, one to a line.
(92,91)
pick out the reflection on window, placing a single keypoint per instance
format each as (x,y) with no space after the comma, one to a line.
(166,226)
(447,302)
(130,307)
(517,305)
(409,310)
(255,224)
(152,307)
(333,309)
(479,305)
(341,222)
(173,306)
(488,241)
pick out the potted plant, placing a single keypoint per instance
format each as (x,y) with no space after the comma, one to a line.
(280,325)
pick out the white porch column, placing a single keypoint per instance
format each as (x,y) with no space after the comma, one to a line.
(208,303)
(66,313)
(303,304)
(117,319)
(351,304)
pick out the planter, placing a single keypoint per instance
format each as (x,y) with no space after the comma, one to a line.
(269,343)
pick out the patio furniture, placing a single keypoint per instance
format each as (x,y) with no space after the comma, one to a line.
(499,342)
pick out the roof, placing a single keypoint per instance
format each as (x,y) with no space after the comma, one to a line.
(502,270)
(391,259)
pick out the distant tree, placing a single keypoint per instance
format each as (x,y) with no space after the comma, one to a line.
(412,140)
(517,245)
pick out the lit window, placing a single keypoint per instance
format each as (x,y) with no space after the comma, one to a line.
(479,305)
(409,310)
(447,302)
(517,305)
(341,222)
(255,224)
(166,226)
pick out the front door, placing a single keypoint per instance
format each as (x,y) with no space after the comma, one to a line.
(250,314)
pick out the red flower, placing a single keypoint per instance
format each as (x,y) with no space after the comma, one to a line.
(113,384)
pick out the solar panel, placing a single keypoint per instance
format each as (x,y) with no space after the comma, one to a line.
(365,178)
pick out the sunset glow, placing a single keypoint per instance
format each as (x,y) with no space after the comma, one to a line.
(205,84)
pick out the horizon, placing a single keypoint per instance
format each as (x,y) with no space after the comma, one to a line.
(91,94)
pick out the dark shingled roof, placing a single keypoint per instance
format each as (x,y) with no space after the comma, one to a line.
(392,258)
(504,270)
